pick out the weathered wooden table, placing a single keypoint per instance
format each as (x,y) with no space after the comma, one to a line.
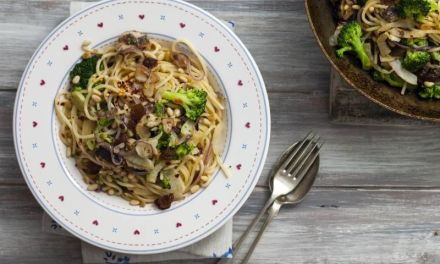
(375,201)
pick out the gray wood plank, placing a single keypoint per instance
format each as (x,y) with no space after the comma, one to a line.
(353,155)
(330,226)
(273,31)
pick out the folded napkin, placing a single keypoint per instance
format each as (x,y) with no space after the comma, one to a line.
(217,245)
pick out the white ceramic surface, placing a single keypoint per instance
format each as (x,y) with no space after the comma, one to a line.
(108,222)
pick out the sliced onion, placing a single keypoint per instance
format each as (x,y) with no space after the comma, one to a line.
(333,40)
(382,45)
(116,159)
(387,58)
(402,73)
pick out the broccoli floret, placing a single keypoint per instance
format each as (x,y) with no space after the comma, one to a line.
(164,141)
(165,182)
(104,122)
(183,150)
(415,42)
(392,79)
(85,69)
(415,60)
(106,137)
(159,108)
(193,101)
(417,9)
(349,39)
(432,92)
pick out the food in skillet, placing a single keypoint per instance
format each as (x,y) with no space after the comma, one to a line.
(397,42)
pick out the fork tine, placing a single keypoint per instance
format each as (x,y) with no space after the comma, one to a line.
(310,163)
(293,170)
(296,150)
(304,151)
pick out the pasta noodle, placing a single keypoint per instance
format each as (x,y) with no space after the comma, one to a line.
(142,119)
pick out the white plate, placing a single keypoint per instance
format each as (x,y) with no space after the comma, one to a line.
(109,222)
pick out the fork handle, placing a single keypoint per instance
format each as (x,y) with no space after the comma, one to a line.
(273,211)
(237,245)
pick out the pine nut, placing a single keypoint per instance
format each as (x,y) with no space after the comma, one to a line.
(177,112)
(428,84)
(134,202)
(76,79)
(183,79)
(195,188)
(111,192)
(96,98)
(87,55)
(204,178)
(86,43)
(170,112)
(92,187)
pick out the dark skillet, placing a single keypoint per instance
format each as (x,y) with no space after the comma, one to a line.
(321,19)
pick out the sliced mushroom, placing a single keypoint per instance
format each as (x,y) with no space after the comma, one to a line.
(134,38)
(144,149)
(150,63)
(142,74)
(168,124)
(135,161)
(164,202)
(141,128)
(137,112)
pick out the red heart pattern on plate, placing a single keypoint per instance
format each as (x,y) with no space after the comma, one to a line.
(248,125)
(66,47)
(178,225)
(34,124)
(42,164)
(61,198)
(240,83)
(136,232)
(42,82)
(141,17)
(100,24)
(95,222)
(216,49)
(214,202)
(238,166)
(182,25)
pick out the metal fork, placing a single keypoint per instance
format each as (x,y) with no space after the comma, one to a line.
(285,179)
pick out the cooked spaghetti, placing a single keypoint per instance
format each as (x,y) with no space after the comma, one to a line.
(398,41)
(142,120)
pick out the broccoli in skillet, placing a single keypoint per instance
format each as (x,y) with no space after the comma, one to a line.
(430,92)
(417,9)
(415,60)
(85,69)
(392,79)
(415,42)
(193,101)
(350,39)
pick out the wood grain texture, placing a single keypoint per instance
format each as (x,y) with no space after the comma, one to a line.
(353,155)
(376,197)
(272,30)
(330,226)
